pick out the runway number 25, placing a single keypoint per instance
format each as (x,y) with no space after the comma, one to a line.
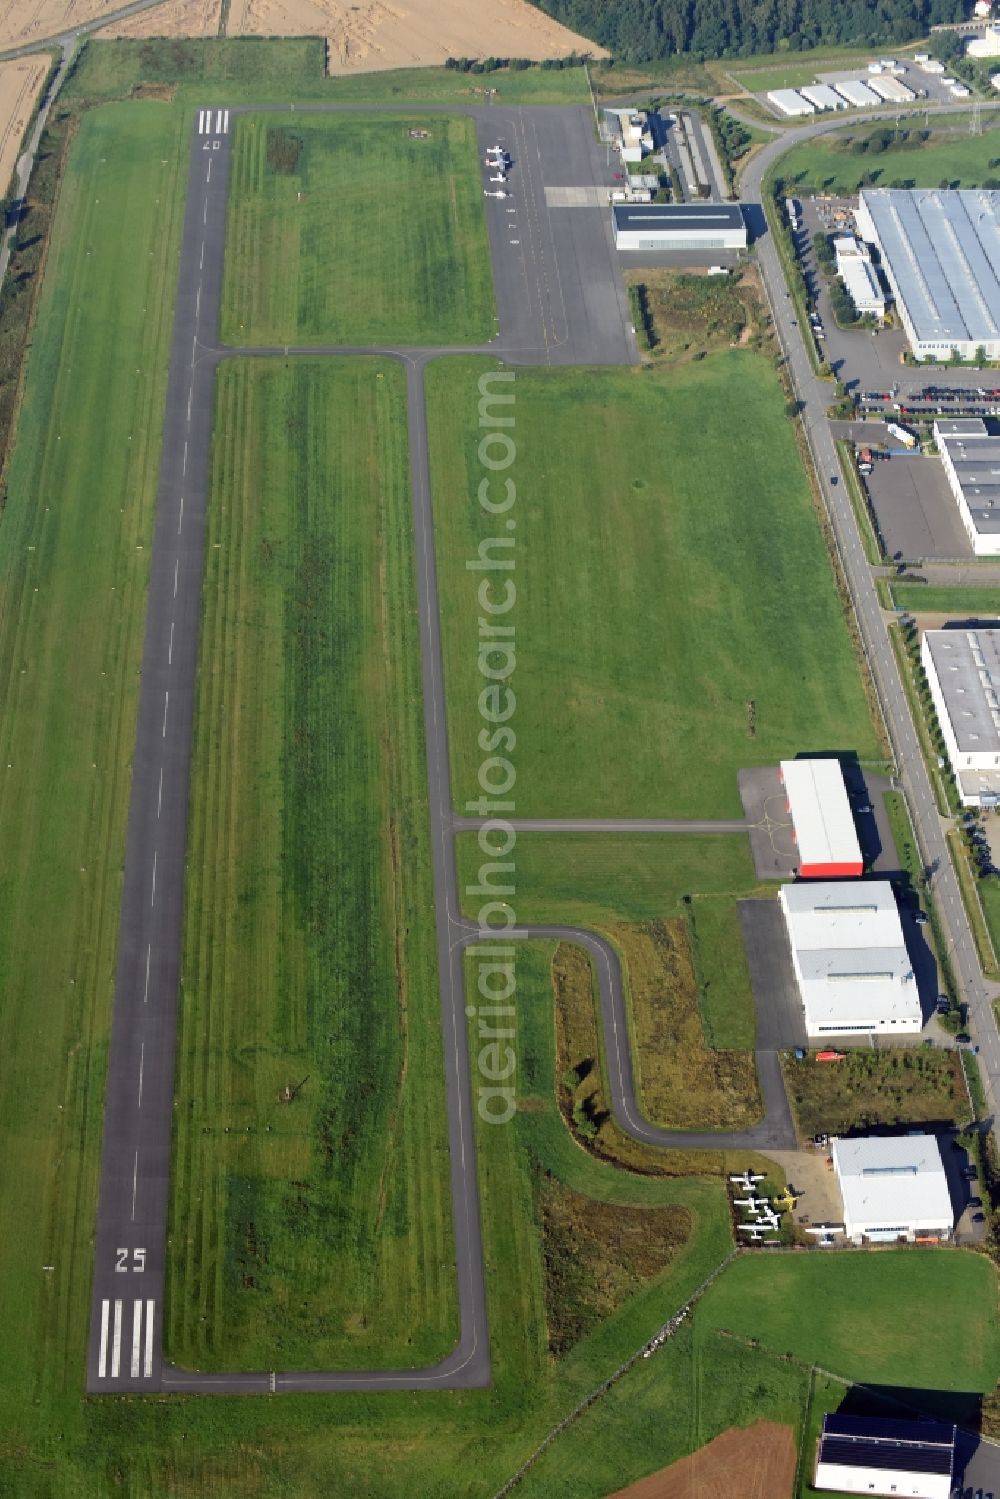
(138,1261)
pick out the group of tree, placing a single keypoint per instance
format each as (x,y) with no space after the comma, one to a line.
(639,31)
(514,64)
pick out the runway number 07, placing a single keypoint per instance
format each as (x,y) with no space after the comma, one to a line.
(138,1264)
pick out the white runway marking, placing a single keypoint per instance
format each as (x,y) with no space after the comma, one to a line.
(218,123)
(142,1063)
(176,567)
(152,897)
(225,122)
(201,122)
(116,1344)
(190,398)
(166,705)
(184,466)
(197,303)
(170,662)
(159,794)
(204,217)
(136,1338)
(135,1187)
(201,262)
(147,1366)
(180,517)
(102,1357)
(149,953)
(208,174)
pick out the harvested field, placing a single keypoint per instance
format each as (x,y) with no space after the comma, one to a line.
(173,18)
(758,1463)
(374,36)
(20,82)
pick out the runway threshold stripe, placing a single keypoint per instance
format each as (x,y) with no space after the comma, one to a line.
(218,123)
(116,1345)
(147,1367)
(102,1357)
(201,122)
(136,1338)
(225,122)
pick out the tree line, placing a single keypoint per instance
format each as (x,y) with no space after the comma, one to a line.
(638,31)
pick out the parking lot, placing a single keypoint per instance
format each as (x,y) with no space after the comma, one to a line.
(916,510)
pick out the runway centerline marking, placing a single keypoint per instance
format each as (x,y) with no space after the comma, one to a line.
(180,517)
(135,1188)
(166,705)
(184,462)
(170,662)
(176,567)
(152,897)
(159,794)
(142,1063)
(149,953)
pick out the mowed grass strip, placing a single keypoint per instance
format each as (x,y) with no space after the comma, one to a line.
(317,1232)
(829,164)
(356,230)
(74,539)
(911,1317)
(676,614)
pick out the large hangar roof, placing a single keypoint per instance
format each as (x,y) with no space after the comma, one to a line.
(821,813)
(892,1179)
(942,248)
(698,218)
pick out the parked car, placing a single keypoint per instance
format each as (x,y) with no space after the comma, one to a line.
(921,918)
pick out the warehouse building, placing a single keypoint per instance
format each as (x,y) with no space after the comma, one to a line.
(855,269)
(790,102)
(823,97)
(893,1187)
(971,461)
(869,1455)
(857,94)
(679,226)
(987,45)
(963,674)
(850,960)
(940,251)
(821,818)
(891,90)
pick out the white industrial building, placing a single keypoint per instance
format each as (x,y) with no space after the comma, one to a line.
(874,1455)
(893,1187)
(679,226)
(931,65)
(857,94)
(987,45)
(822,96)
(854,267)
(790,102)
(850,960)
(823,822)
(971,461)
(963,674)
(959,90)
(891,90)
(940,251)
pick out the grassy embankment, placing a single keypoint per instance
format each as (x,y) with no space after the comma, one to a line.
(301,205)
(309,945)
(869,1089)
(831,164)
(671,641)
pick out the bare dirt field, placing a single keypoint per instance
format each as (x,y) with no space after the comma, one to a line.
(758,1463)
(379,34)
(173,18)
(20,82)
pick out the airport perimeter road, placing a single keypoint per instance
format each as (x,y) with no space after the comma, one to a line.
(814,394)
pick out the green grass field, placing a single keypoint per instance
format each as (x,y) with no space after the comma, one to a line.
(302,203)
(965,603)
(74,538)
(667,638)
(596,879)
(262,70)
(726,996)
(758,74)
(319,1232)
(827,165)
(922,1318)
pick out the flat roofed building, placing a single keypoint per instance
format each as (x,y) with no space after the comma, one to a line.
(679,226)
(857,93)
(790,102)
(823,96)
(867,1455)
(893,1187)
(963,674)
(825,834)
(862,283)
(850,960)
(940,250)
(891,89)
(970,457)
(987,45)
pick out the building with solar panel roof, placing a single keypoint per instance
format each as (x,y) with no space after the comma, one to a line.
(870,1455)
(940,250)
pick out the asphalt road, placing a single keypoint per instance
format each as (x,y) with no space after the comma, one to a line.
(815,396)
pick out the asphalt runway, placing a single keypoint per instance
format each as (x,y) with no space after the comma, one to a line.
(567,306)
